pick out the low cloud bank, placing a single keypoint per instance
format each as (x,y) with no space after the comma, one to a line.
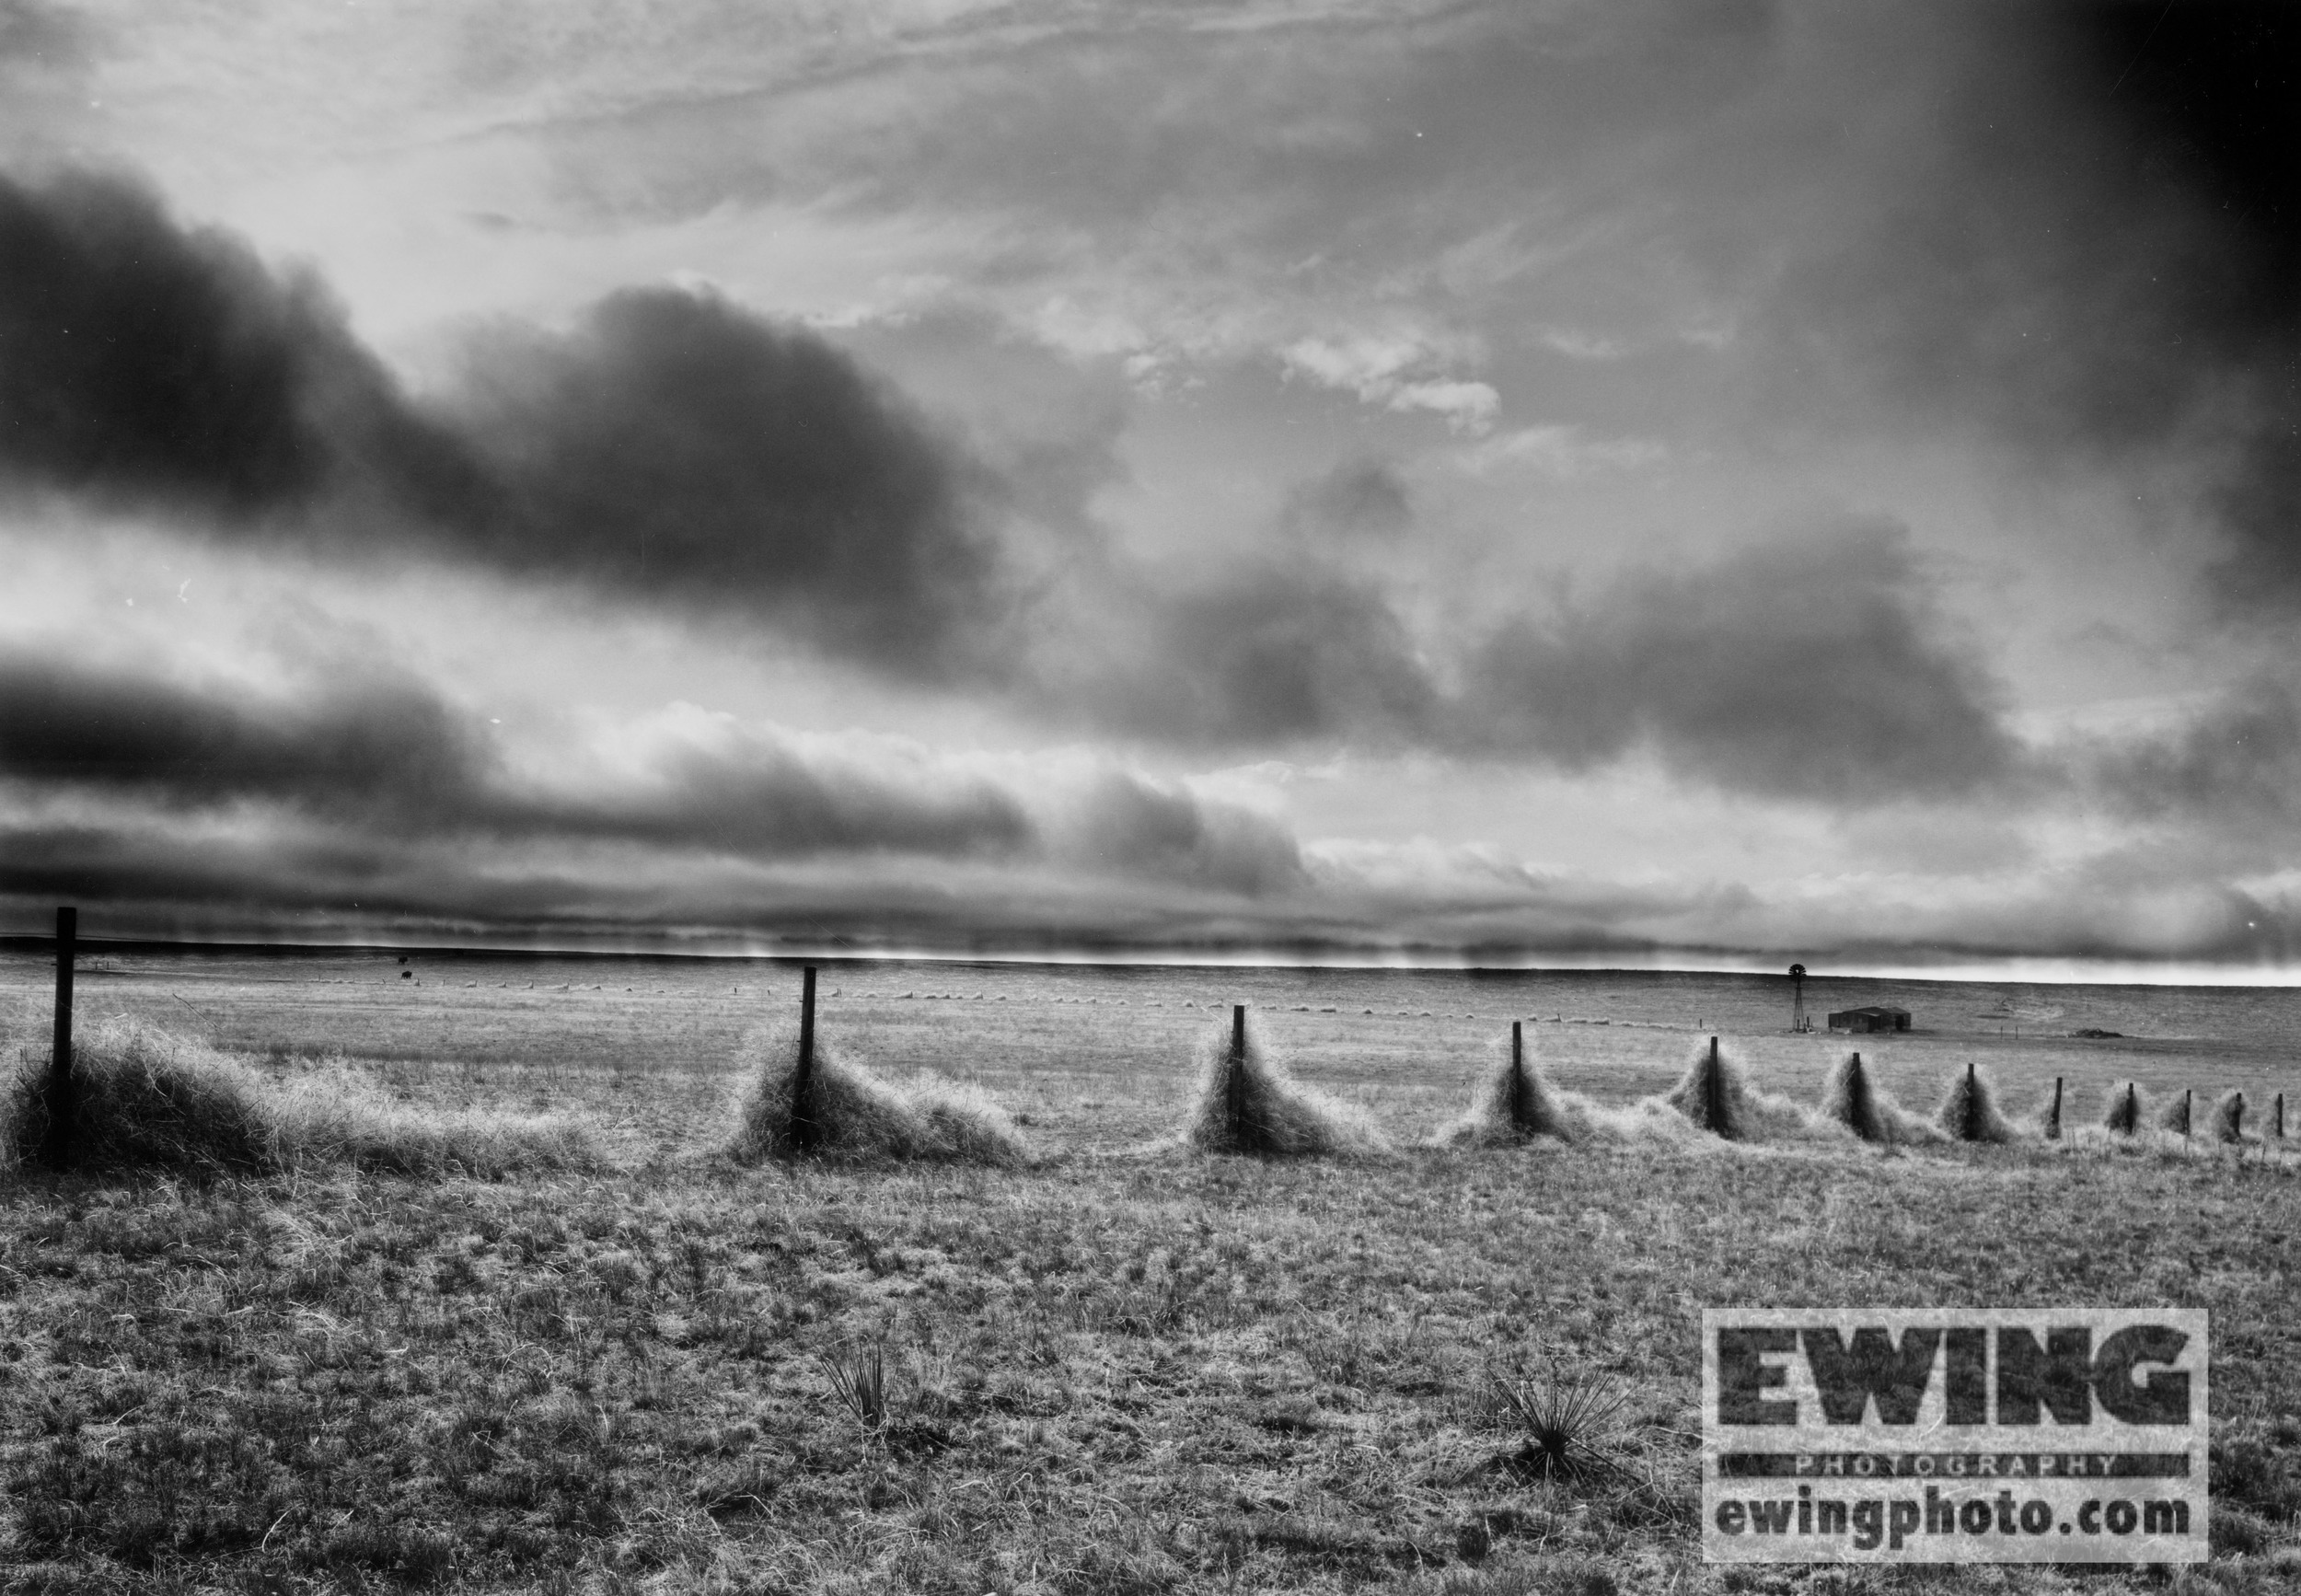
(374,764)
(368,800)
(373,746)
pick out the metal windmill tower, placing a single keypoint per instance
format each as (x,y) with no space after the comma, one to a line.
(1798,1021)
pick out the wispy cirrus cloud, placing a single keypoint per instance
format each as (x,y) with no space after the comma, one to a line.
(1561,453)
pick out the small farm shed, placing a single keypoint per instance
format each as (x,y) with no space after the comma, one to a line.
(1876,1017)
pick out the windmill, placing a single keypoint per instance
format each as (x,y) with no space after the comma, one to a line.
(1798,1021)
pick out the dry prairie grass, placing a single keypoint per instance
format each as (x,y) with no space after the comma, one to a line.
(150,1097)
(1160,1372)
(1852,1099)
(853,1114)
(1970,1111)
(1247,1101)
(1167,1374)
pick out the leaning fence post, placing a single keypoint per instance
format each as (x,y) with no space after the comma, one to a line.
(805,1132)
(61,1089)
(2054,1119)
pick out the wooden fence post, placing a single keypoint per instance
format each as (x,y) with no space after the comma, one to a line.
(1861,1103)
(61,1093)
(1235,1080)
(2189,1121)
(806,1131)
(1714,1094)
(2054,1119)
(2281,1117)
(1518,1078)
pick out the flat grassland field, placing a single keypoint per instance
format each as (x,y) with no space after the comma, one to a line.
(1130,1368)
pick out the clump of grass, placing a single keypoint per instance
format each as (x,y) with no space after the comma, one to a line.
(1969,1111)
(2226,1122)
(1717,1095)
(1248,1102)
(846,1111)
(145,1095)
(1849,1097)
(2123,1114)
(2177,1114)
(965,1119)
(22,1121)
(1517,1102)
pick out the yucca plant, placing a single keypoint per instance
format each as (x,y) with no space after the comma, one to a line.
(859,1380)
(1563,1419)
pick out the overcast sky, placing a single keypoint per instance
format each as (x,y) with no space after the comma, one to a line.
(1539,479)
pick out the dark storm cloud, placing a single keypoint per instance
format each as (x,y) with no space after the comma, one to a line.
(387,750)
(671,447)
(2083,240)
(674,447)
(1133,828)
(144,862)
(2233,767)
(1814,668)
(759,795)
(142,362)
(1809,668)
(754,793)
(1263,654)
(381,763)
(152,878)
(380,747)
(2207,98)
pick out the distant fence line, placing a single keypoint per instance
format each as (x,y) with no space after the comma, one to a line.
(1706,1096)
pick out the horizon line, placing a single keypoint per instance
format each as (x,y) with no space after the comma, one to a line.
(2026,970)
